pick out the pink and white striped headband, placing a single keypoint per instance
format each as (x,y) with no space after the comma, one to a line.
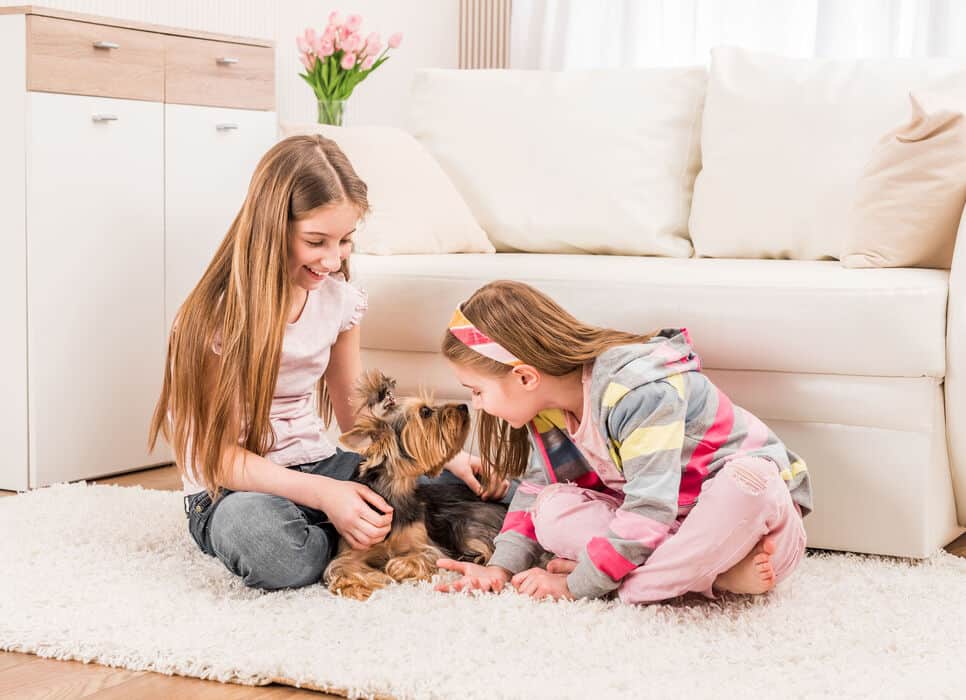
(475,339)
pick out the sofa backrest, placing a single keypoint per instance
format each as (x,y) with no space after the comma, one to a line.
(605,161)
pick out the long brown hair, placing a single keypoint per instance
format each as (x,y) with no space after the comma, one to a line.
(541,333)
(242,303)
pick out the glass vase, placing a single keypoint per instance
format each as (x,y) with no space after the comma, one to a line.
(331,112)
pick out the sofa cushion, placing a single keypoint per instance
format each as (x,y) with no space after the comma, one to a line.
(573,162)
(784,141)
(911,194)
(778,315)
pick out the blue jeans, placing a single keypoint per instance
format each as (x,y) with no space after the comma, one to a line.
(269,541)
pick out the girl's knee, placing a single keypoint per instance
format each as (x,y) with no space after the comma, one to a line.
(267,541)
(566,517)
(553,501)
(754,476)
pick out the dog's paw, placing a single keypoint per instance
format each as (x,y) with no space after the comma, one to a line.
(350,588)
(414,568)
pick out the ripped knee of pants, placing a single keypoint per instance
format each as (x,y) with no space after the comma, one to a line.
(751,476)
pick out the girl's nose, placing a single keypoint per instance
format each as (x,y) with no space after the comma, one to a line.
(332,264)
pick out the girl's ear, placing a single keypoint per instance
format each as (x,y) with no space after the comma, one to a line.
(528,376)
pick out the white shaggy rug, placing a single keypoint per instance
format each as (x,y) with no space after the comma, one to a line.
(109,574)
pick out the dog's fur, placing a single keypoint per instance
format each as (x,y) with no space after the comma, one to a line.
(401,440)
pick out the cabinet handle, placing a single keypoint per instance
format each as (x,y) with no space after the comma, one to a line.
(226,127)
(106,45)
(226,60)
(104,118)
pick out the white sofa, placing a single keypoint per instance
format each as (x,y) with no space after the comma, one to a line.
(859,370)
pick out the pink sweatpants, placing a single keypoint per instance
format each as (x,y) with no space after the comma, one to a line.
(745,501)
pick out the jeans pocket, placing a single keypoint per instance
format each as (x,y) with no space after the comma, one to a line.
(199,511)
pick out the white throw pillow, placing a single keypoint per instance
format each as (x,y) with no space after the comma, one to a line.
(568,162)
(784,142)
(414,207)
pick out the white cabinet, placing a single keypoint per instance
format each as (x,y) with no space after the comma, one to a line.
(210,154)
(111,205)
(95,246)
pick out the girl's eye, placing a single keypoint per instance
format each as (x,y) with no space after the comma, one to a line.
(346,241)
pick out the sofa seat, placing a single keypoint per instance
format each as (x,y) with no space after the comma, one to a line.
(765,315)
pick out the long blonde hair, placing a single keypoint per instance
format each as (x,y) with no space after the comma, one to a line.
(541,333)
(242,302)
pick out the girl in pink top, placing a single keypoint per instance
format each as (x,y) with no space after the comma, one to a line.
(266,342)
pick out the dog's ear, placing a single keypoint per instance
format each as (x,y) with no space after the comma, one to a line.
(373,438)
(375,394)
(355,440)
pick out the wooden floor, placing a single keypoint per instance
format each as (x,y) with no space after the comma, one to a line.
(28,677)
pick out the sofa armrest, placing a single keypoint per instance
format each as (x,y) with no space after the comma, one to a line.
(956,371)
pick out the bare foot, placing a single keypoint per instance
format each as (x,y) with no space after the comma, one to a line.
(561,566)
(753,574)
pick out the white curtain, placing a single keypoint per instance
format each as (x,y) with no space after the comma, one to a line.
(559,34)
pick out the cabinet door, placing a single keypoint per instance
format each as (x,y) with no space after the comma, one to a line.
(95,283)
(210,155)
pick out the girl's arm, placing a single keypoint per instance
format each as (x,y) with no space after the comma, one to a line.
(348,505)
(358,513)
(345,366)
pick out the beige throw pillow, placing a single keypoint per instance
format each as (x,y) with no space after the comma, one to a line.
(414,208)
(910,197)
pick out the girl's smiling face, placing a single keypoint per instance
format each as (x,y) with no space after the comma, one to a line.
(319,242)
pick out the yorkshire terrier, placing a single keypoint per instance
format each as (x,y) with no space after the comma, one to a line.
(401,440)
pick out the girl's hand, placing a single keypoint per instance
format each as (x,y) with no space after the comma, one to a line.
(349,507)
(539,584)
(466,467)
(473,577)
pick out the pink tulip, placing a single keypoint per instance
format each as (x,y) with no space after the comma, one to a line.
(353,22)
(395,40)
(367,64)
(302,44)
(308,60)
(344,33)
(348,61)
(310,36)
(352,43)
(330,33)
(334,18)
(373,44)
(317,45)
(326,48)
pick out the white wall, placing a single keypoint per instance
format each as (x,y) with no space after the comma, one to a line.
(430,29)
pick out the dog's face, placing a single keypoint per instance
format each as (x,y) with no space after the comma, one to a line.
(407,437)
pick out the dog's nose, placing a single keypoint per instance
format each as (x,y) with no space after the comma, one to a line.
(464,408)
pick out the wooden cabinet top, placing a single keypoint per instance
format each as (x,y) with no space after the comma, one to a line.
(127,24)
